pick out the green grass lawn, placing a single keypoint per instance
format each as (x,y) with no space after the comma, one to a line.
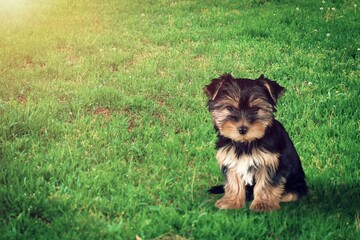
(104,131)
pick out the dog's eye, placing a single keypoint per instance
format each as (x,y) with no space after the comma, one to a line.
(230,108)
(255,109)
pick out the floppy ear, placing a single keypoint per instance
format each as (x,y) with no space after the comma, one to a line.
(273,87)
(212,89)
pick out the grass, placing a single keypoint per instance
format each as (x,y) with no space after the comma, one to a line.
(104,131)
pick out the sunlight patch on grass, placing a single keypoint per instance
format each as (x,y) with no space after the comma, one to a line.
(15,14)
(15,7)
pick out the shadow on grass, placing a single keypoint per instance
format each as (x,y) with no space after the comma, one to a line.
(329,198)
(324,198)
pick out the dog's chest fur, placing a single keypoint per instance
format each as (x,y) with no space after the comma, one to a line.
(247,165)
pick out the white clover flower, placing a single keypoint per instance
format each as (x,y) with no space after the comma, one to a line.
(321,9)
(323,2)
(328,34)
(333,9)
(355,5)
(297,9)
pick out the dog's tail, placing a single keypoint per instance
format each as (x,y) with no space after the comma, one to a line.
(219,189)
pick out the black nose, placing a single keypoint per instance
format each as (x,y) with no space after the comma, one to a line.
(243,130)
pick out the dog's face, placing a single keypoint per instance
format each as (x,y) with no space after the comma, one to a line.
(242,109)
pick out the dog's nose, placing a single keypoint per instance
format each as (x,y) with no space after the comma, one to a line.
(243,130)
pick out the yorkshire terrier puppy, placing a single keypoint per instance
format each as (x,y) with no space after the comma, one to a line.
(254,151)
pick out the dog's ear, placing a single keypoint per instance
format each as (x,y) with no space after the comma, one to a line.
(273,87)
(212,89)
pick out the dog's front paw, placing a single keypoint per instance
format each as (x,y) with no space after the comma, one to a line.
(230,203)
(262,206)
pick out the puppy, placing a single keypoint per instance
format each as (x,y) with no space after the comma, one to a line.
(254,151)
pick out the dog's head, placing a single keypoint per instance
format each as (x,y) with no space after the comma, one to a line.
(242,109)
